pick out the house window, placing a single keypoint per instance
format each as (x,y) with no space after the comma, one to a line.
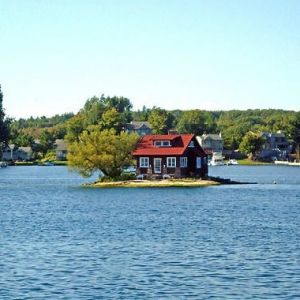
(198,163)
(144,162)
(191,144)
(183,162)
(162,143)
(171,162)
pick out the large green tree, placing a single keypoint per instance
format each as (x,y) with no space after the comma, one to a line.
(75,126)
(160,120)
(4,126)
(107,112)
(103,151)
(251,145)
(112,119)
(47,140)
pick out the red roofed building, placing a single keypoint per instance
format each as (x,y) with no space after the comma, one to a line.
(170,155)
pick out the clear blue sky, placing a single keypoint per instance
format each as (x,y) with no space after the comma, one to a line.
(173,54)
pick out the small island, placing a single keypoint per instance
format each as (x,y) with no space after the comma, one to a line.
(163,183)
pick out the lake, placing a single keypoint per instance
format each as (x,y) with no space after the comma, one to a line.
(60,240)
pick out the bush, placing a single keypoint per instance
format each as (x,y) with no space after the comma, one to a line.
(122,177)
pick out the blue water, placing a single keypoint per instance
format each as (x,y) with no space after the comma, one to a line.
(59,240)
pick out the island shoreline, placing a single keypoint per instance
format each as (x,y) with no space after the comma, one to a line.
(163,183)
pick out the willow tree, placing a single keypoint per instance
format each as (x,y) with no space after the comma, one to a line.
(103,151)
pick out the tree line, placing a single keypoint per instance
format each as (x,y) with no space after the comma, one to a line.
(111,114)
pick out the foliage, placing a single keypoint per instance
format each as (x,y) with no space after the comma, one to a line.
(50,156)
(41,122)
(234,124)
(4,125)
(75,127)
(196,122)
(103,151)
(47,140)
(293,131)
(112,119)
(251,144)
(22,139)
(121,177)
(142,115)
(160,120)
(107,112)
(94,109)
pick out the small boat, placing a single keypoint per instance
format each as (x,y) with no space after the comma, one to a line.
(47,163)
(217,159)
(232,162)
(3,165)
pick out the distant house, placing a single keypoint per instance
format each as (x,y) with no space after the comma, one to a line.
(13,152)
(61,149)
(211,142)
(142,128)
(276,145)
(170,156)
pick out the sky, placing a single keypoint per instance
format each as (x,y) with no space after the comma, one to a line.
(172,54)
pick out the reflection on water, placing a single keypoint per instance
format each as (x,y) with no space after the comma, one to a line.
(62,241)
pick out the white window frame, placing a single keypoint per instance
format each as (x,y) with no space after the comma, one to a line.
(144,162)
(162,143)
(198,162)
(183,162)
(171,162)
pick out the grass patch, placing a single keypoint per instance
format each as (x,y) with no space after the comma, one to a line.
(25,163)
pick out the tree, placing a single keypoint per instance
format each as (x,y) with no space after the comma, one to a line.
(251,144)
(75,127)
(122,106)
(60,131)
(160,120)
(4,126)
(22,139)
(142,115)
(293,131)
(112,119)
(93,110)
(197,122)
(103,151)
(47,140)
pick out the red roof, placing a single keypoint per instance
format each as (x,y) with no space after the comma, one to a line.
(179,143)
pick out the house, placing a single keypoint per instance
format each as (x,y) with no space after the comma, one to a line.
(276,145)
(13,152)
(211,142)
(61,149)
(164,156)
(142,128)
